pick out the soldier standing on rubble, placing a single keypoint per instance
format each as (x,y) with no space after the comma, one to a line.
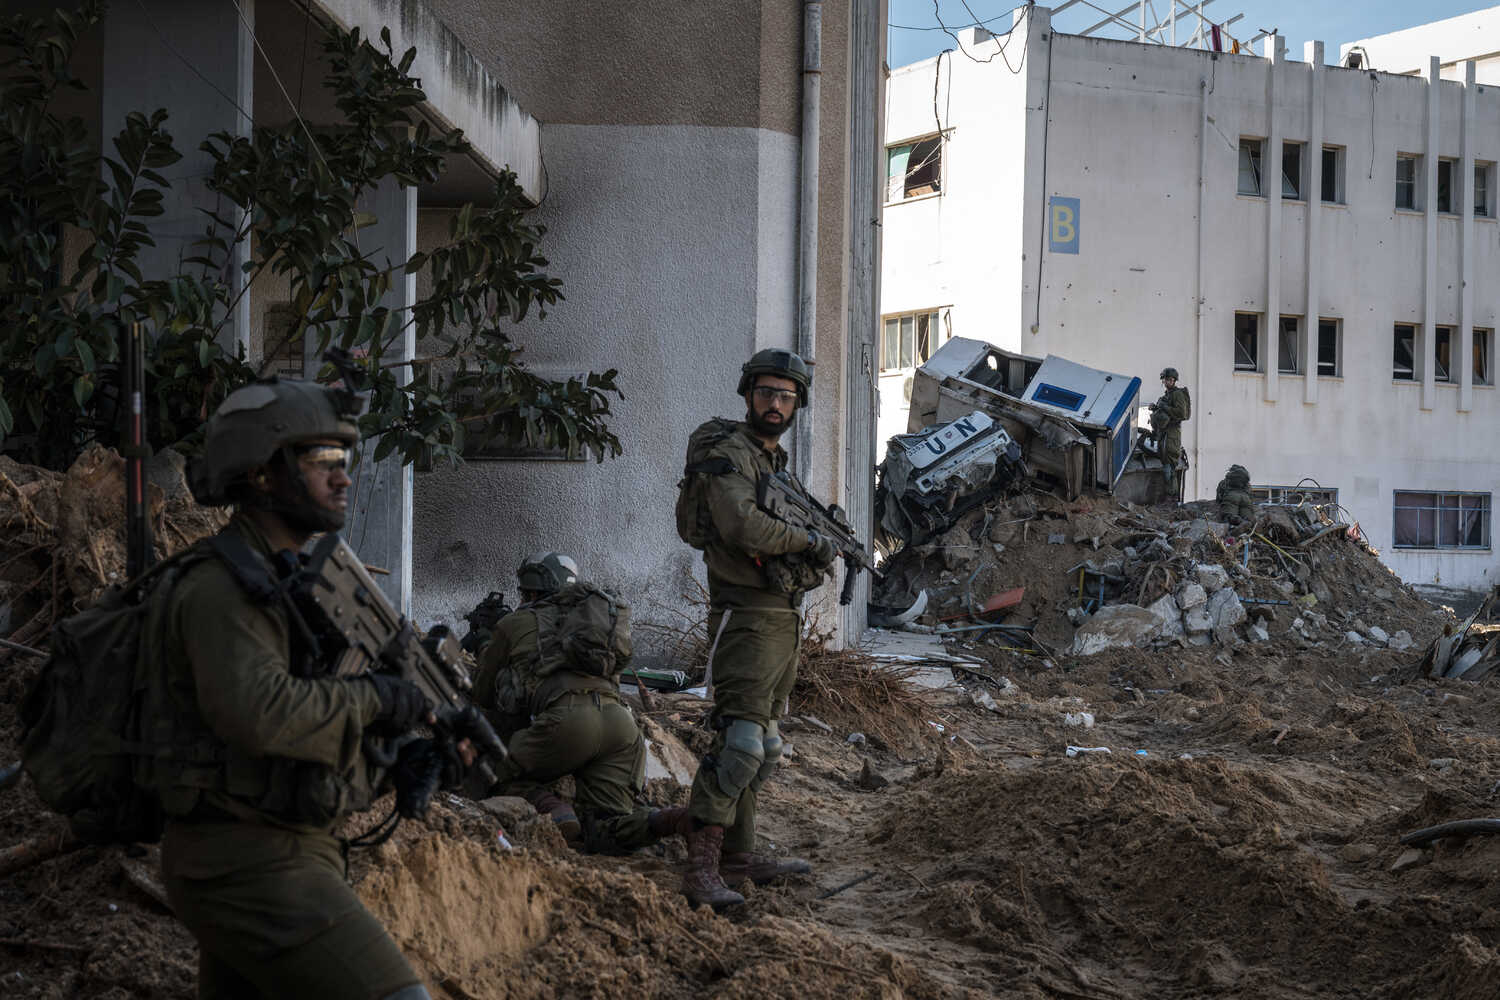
(267,746)
(1167,415)
(567,722)
(755,624)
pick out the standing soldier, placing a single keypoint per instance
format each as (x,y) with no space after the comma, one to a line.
(260,745)
(758,569)
(1167,415)
(566,713)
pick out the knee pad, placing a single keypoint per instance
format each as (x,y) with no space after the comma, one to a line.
(771,745)
(744,752)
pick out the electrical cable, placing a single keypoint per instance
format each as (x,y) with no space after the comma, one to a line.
(194,69)
(1001,46)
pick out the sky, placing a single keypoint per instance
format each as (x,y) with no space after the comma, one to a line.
(1329,21)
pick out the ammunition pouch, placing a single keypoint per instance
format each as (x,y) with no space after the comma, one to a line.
(794,573)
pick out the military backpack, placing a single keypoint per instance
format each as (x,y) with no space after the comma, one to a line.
(694,524)
(583,629)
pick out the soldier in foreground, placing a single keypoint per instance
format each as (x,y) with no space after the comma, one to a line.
(758,570)
(249,857)
(1233,495)
(551,671)
(1167,415)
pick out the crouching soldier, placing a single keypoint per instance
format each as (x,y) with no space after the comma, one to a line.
(1233,496)
(551,672)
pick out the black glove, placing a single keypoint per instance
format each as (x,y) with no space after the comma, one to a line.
(417,775)
(821,552)
(402,703)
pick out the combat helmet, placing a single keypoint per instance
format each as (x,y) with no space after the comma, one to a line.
(1237,476)
(782,364)
(547,572)
(256,421)
(1167,373)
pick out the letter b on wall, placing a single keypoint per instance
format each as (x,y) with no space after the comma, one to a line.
(1062,224)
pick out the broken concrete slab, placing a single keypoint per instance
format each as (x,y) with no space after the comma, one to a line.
(1166,612)
(1408,859)
(1378,635)
(1196,530)
(1225,609)
(1191,595)
(1118,626)
(1401,640)
(1210,577)
(1198,621)
(666,755)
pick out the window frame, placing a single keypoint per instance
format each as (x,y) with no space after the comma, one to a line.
(936,318)
(1444,339)
(939,178)
(1448,196)
(1298,184)
(1483,189)
(1415,159)
(1438,508)
(1335,196)
(1299,365)
(1415,372)
(1252,156)
(1295,496)
(1338,347)
(1257,339)
(1483,348)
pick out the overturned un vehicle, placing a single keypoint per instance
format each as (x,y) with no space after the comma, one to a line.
(1066,424)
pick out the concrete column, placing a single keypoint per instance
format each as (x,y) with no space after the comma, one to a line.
(195,57)
(1464,186)
(1314,227)
(1429,236)
(1271,174)
(380,527)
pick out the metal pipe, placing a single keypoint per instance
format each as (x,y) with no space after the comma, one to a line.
(1198,282)
(807,228)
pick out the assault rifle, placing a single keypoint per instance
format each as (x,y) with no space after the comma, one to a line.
(781,496)
(358,630)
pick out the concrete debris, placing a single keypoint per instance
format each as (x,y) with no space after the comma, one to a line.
(1401,640)
(1408,859)
(1167,612)
(1198,621)
(1378,635)
(1471,650)
(1073,751)
(1210,577)
(1190,596)
(1259,633)
(1225,609)
(1354,638)
(1118,626)
(1084,719)
(855,739)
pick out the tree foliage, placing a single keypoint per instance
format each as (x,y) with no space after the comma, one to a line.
(293,197)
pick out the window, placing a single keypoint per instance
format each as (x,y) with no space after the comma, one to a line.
(914,169)
(1295,495)
(1441,520)
(1291,170)
(1443,356)
(1404,363)
(1482,341)
(1333,175)
(283,351)
(1406,181)
(1445,199)
(1289,345)
(1482,172)
(910,340)
(1246,342)
(1250,167)
(1328,347)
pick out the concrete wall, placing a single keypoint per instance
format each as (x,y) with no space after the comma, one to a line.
(1124,137)
(1453,40)
(670,136)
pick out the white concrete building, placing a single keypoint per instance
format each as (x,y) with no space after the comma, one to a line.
(1334,316)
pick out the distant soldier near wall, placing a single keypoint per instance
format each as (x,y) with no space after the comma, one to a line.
(1167,415)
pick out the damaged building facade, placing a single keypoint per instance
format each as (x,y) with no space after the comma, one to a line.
(663,146)
(1307,244)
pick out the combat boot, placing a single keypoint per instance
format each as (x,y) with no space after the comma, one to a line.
(669,821)
(701,883)
(759,868)
(562,815)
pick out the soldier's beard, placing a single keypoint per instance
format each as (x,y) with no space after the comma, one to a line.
(759,424)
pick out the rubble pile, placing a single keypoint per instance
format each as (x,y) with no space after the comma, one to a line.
(62,535)
(1107,574)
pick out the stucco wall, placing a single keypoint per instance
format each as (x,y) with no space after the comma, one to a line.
(657,234)
(1124,138)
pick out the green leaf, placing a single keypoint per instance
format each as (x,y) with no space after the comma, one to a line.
(83,388)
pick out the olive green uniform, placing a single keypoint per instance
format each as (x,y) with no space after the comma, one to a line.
(1172,409)
(273,760)
(578,726)
(756,631)
(1233,495)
